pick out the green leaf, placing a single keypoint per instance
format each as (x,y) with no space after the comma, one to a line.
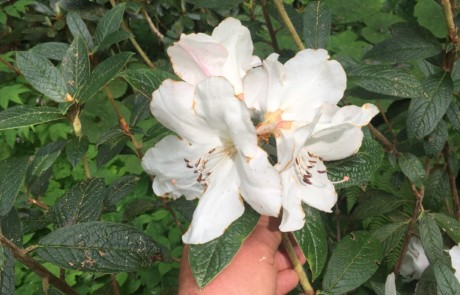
(430,15)
(431,238)
(446,281)
(11,93)
(412,168)
(11,176)
(437,189)
(119,189)
(140,109)
(113,38)
(434,143)
(215,4)
(82,203)
(102,74)
(209,259)
(449,225)
(7,272)
(45,157)
(453,114)
(75,65)
(357,168)
(110,144)
(42,75)
(146,80)
(408,43)
(185,207)
(312,240)
(426,112)
(377,203)
(51,50)
(76,149)
(385,80)
(317,25)
(110,22)
(23,116)
(78,28)
(427,283)
(99,247)
(353,262)
(12,228)
(390,235)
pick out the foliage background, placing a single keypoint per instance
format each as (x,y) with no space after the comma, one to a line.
(398,54)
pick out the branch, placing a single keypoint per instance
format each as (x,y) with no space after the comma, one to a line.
(380,137)
(287,21)
(151,24)
(22,256)
(453,185)
(449,13)
(269,24)
(10,66)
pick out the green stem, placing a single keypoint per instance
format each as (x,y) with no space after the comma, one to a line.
(287,21)
(303,279)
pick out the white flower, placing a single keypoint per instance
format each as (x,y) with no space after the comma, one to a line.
(390,285)
(414,262)
(455,259)
(215,158)
(296,102)
(227,52)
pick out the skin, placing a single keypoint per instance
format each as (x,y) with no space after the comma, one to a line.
(259,268)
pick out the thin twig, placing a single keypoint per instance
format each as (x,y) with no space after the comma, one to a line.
(449,13)
(387,122)
(36,267)
(115,287)
(136,45)
(337,221)
(37,203)
(380,137)
(123,124)
(10,66)
(453,185)
(287,21)
(303,279)
(151,24)
(268,22)
(427,167)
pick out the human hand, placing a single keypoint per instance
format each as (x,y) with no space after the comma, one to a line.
(260,267)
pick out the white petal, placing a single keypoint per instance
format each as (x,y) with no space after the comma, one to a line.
(341,137)
(197,56)
(237,41)
(414,261)
(455,259)
(319,193)
(172,106)
(219,206)
(229,116)
(260,183)
(167,162)
(390,285)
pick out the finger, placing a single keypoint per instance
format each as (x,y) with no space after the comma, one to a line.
(266,233)
(286,282)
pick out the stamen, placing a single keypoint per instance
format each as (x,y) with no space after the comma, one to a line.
(322,171)
(345,179)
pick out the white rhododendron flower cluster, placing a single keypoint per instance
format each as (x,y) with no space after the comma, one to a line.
(217,154)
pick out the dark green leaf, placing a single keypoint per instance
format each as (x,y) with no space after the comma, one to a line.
(436,190)
(82,203)
(431,238)
(427,283)
(51,50)
(357,168)
(120,189)
(38,185)
(312,240)
(102,74)
(385,80)
(12,173)
(7,272)
(209,259)
(412,168)
(42,75)
(78,28)
(34,219)
(317,25)
(377,203)
(45,157)
(113,38)
(453,113)
(445,279)
(434,143)
(426,112)
(99,247)
(449,225)
(110,22)
(23,116)
(390,235)
(185,207)
(146,80)
(12,228)
(110,144)
(408,43)
(354,261)
(76,149)
(75,65)
(352,195)
(141,109)
(215,4)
